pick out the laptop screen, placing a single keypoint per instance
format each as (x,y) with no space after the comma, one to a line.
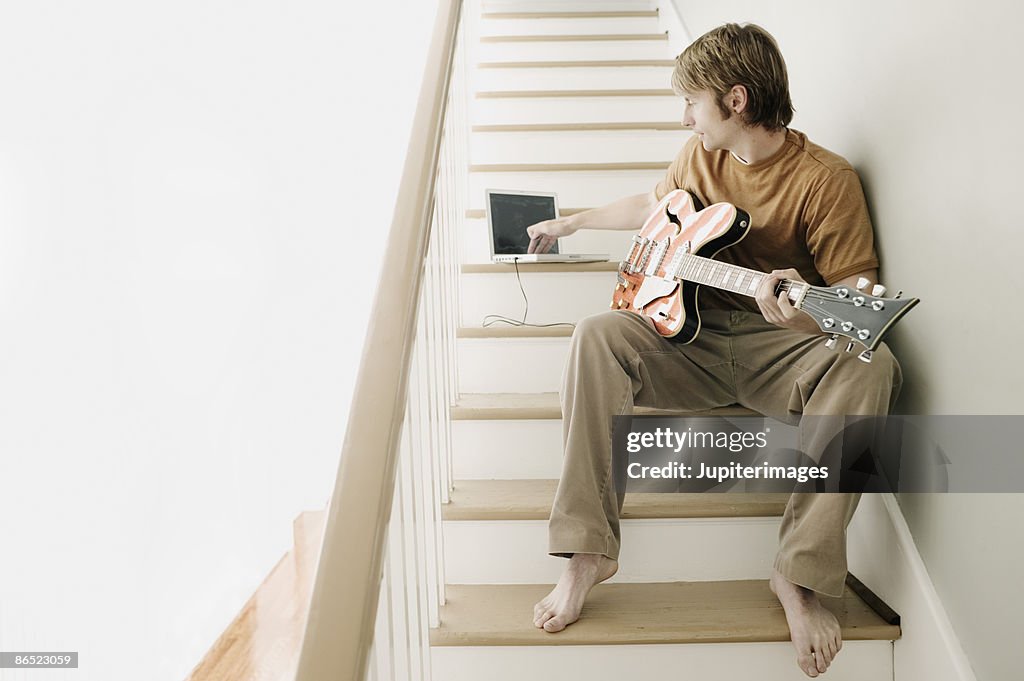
(511,214)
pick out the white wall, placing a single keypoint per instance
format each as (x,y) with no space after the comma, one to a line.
(924,99)
(192,199)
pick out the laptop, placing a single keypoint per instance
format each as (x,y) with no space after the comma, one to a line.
(510,212)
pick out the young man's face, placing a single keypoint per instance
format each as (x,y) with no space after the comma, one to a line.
(702,115)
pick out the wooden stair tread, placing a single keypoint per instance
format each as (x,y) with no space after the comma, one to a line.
(531,500)
(579,127)
(541,267)
(496,94)
(275,613)
(593,63)
(629,613)
(620,14)
(572,37)
(566,167)
(501,331)
(477,406)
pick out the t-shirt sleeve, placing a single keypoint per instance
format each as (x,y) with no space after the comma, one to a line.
(839,233)
(675,176)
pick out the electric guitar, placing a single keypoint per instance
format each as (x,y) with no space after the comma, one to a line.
(672,257)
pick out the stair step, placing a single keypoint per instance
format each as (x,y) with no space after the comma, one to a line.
(858,661)
(512,364)
(596,47)
(554,296)
(557,25)
(513,332)
(595,188)
(608,146)
(571,79)
(508,94)
(734,611)
(531,500)
(494,406)
(474,235)
(567,167)
(571,126)
(574,109)
(574,37)
(540,267)
(623,14)
(594,63)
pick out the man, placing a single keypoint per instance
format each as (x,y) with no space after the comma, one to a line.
(809,221)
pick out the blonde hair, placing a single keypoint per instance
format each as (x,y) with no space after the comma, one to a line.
(735,54)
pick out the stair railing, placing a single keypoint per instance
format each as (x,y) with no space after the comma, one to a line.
(380,576)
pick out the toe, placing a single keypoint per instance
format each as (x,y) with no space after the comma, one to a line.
(543,618)
(554,624)
(807,666)
(820,663)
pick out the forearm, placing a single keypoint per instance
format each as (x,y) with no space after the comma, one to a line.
(627,214)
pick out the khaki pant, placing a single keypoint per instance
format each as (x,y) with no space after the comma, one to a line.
(616,360)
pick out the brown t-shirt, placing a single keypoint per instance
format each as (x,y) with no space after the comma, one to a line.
(806,206)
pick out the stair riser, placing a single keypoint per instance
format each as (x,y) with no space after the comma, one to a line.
(476,246)
(573,78)
(858,661)
(553,297)
(619,146)
(584,50)
(581,189)
(511,365)
(518,110)
(507,450)
(657,550)
(568,26)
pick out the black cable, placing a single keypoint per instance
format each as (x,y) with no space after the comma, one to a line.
(497,318)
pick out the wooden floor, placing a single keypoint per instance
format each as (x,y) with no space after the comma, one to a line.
(262,643)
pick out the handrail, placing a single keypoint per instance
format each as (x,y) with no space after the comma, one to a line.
(340,626)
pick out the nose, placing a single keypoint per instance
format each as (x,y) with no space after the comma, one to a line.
(687,119)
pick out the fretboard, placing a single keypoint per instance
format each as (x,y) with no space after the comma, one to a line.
(724,276)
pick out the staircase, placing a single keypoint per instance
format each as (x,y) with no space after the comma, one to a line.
(579,103)
(576,103)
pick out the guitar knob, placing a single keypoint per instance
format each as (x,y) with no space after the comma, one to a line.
(831,342)
(862,282)
(878,290)
(865,356)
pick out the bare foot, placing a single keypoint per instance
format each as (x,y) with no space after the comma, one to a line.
(562,606)
(814,630)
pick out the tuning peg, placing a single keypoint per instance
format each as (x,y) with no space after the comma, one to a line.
(849,346)
(862,282)
(898,294)
(831,342)
(878,290)
(865,356)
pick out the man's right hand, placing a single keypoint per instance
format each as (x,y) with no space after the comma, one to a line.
(543,235)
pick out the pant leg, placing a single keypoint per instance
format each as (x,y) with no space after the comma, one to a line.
(782,373)
(616,360)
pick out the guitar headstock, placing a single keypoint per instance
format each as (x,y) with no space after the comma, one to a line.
(860,316)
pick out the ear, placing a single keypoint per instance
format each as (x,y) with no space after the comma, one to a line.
(736,99)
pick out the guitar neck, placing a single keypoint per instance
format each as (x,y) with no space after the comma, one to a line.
(728,277)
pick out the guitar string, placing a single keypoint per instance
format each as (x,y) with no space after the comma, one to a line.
(501,319)
(785,286)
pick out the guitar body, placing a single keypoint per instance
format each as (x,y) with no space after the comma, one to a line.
(646,286)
